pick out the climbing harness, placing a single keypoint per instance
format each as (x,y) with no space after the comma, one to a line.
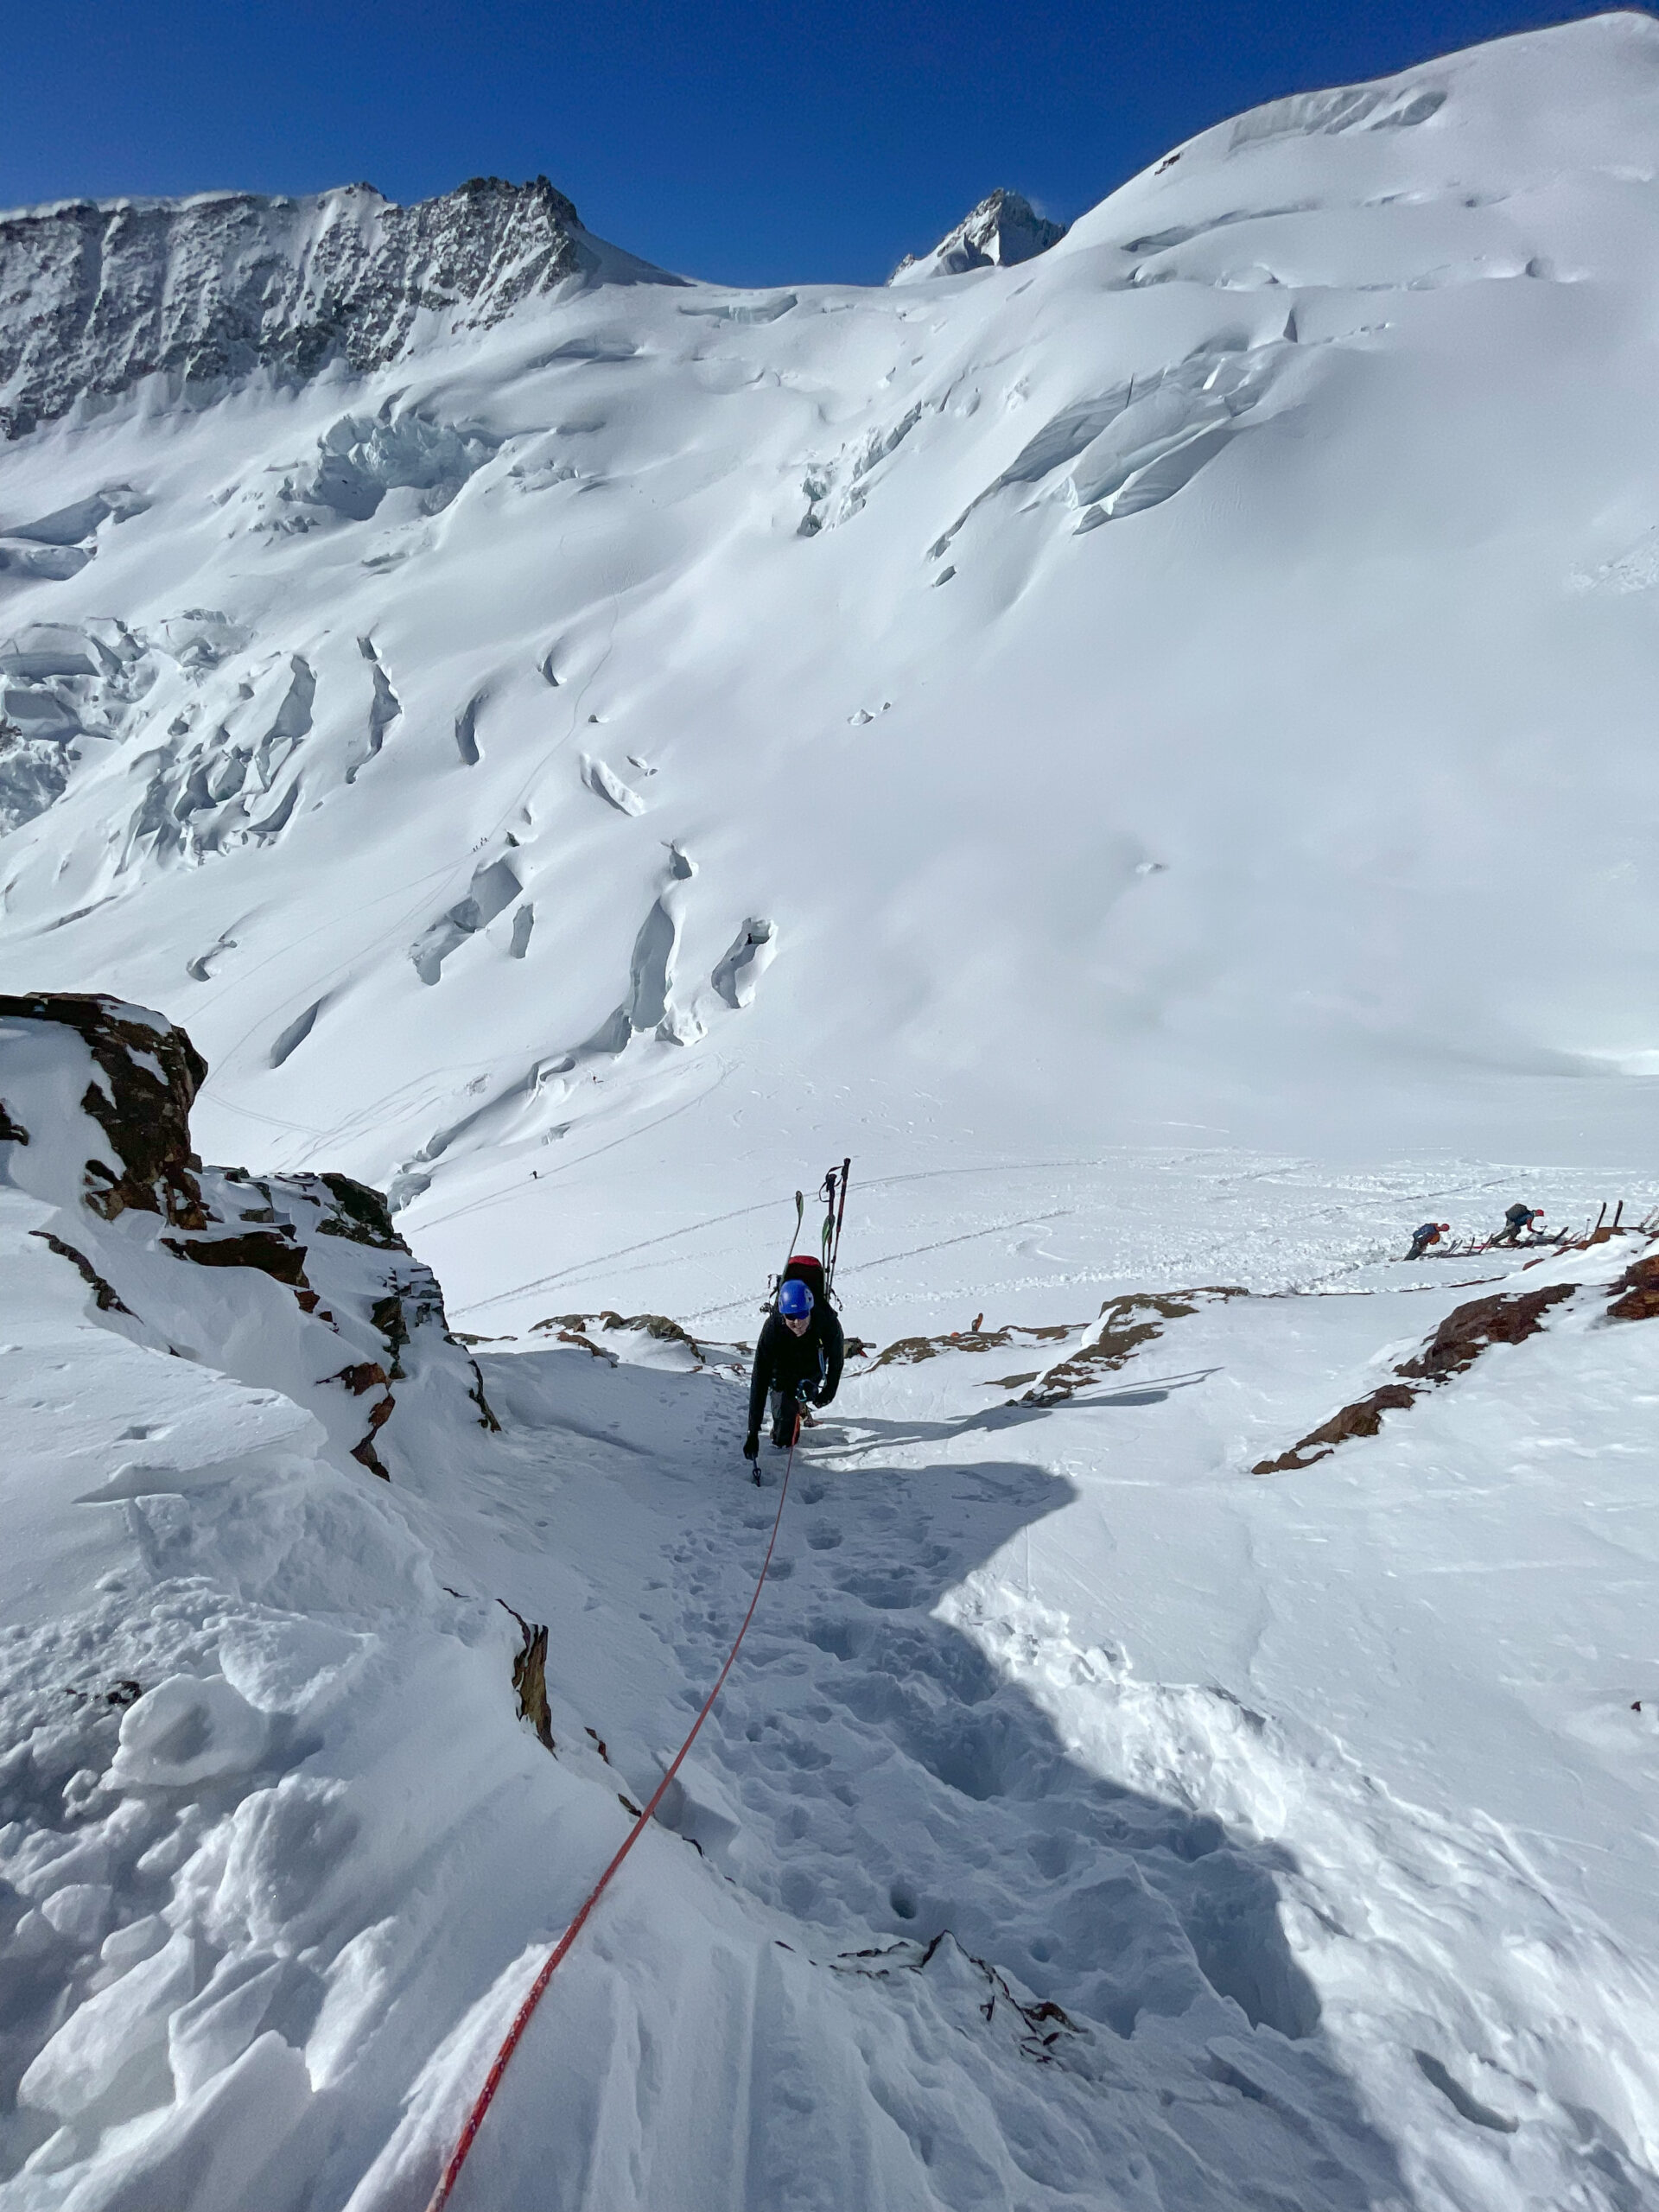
(485,2097)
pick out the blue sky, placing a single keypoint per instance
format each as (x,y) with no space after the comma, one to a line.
(741,141)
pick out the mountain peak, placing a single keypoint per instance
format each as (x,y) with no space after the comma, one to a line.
(1003,229)
(96,295)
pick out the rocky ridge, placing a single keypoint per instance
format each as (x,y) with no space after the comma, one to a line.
(96,296)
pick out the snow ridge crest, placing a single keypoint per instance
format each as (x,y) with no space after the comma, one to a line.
(96,295)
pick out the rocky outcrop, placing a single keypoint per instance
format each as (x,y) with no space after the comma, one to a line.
(363,1216)
(275,1256)
(1002,229)
(150,1075)
(102,1296)
(1636,1294)
(1124,1326)
(657,1326)
(1509,1318)
(906,1352)
(530,1678)
(1362,1418)
(96,295)
(313,1294)
(1466,1333)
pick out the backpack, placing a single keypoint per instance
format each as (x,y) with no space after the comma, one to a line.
(1515,1214)
(807,1267)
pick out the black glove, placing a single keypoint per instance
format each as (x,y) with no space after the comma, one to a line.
(752,1445)
(823,1394)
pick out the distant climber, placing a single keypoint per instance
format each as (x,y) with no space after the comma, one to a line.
(1430,1233)
(798,1361)
(1518,1222)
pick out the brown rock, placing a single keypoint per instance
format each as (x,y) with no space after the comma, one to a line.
(1362,1418)
(366,1456)
(654,1325)
(1458,1342)
(908,1350)
(1640,1287)
(387,1315)
(364,1215)
(365,1376)
(144,1114)
(530,1678)
(1128,1323)
(272,1253)
(575,1337)
(104,1296)
(1509,1318)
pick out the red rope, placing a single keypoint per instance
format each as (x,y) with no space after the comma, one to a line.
(521,2020)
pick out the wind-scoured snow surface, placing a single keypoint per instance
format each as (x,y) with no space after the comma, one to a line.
(1147,746)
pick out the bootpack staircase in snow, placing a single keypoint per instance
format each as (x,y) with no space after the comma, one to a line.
(521,2019)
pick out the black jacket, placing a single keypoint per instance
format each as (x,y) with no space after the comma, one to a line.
(804,1366)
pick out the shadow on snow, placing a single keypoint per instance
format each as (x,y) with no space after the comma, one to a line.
(890,1785)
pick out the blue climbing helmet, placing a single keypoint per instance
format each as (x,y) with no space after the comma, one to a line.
(794,1301)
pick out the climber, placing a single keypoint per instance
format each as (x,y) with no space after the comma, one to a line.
(798,1361)
(1430,1233)
(1519,1221)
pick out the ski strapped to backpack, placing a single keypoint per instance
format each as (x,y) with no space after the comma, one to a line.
(817,1269)
(800,1216)
(840,1213)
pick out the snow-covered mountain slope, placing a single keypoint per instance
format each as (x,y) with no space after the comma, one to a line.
(1193,686)
(1064,1837)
